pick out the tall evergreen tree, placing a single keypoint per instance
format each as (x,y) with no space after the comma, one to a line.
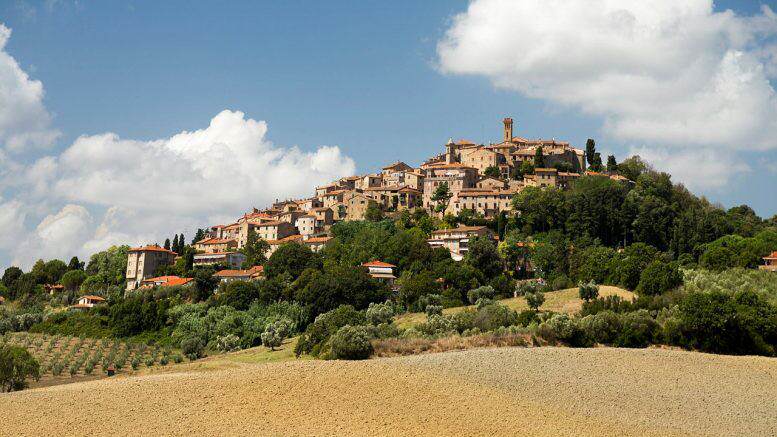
(539,158)
(590,151)
(612,165)
(181,243)
(75,264)
(167,244)
(199,235)
(175,244)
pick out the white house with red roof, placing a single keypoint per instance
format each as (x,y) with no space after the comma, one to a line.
(166,281)
(770,262)
(88,301)
(381,271)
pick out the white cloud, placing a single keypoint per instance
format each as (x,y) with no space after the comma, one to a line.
(661,72)
(24,121)
(696,168)
(12,223)
(152,189)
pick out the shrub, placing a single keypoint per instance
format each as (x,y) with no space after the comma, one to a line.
(17,365)
(534,299)
(561,282)
(659,277)
(89,368)
(602,327)
(271,337)
(527,317)
(561,327)
(436,324)
(135,363)
(163,361)
(609,303)
(378,313)
(177,358)
(484,292)
(192,347)
(149,361)
(527,287)
(463,320)
(351,343)
(638,329)
(494,316)
(326,324)
(227,343)
(588,290)
(433,310)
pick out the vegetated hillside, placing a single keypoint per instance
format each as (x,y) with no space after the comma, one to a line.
(562,301)
(508,391)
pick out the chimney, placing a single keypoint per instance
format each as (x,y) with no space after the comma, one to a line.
(508,129)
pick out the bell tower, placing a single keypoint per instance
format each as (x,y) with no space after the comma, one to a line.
(508,122)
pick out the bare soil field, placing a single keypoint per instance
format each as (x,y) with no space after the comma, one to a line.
(506,391)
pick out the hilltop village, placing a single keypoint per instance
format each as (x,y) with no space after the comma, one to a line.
(466,176)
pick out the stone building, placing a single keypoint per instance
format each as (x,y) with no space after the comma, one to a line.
(142,263)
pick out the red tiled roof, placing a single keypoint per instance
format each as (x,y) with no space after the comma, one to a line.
(318,240)
(459,229)
(394,165)
(92,297)
(168,281)
(377,264)
(215,240)
(772,255)
(253,271)
(151,248)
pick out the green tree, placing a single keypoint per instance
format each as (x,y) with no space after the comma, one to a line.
(441,196)
(539,159)
(483,256)
(612,164)
(290,260)
(73,279)
(633,167)
(167,244)
(588,290)
(10,275)
(75,264)
(632,262)
(534,299)
(16,367)
(174,246)
(659,277)
(541,210)
(254,250)
(199,235)
(590,151)
(351,343)
(594,205)
(373,213)
(238,294)
(492,171)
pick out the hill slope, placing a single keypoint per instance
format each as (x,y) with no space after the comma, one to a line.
(560,301)
(537,391)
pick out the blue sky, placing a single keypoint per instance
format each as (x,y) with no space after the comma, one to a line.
(364,76)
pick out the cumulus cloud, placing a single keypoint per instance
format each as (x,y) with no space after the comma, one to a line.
(24,121)
(662,72)
(152,189)
(697,169)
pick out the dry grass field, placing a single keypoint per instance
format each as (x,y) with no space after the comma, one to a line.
(506,391)
(561,301)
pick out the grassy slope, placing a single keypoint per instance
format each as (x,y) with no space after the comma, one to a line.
(561,301)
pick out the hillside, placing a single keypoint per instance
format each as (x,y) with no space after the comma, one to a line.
(561,301)
(537,391)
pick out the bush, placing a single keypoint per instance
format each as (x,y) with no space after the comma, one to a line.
(638,329)
(588,290)
(17,365)
(561,282)
(378,313)
(534,299)
(494,316)
(602,327)
(314,338)
(351,343)
(484,292)
(527,317)
(272,336)
(177,358)
(227,343)
(561,327)
(433,310)
(135,363)
(463,320)
(659,277)
(192,347)
(436,324)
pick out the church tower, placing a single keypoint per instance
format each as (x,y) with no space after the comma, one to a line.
(508,129)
